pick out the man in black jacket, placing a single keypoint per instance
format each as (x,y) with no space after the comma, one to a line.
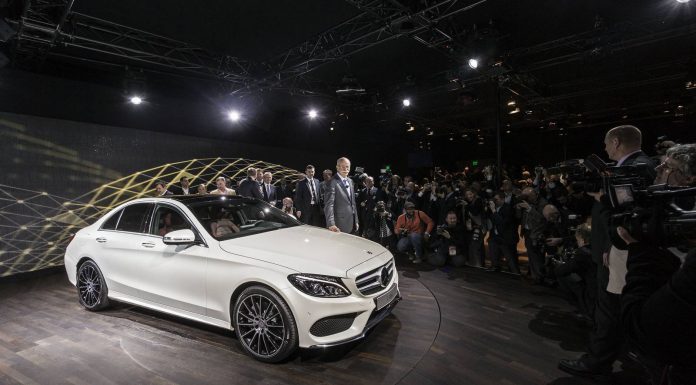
(503,237)
(307,199)
(450,243)
(623,145)
(577,276)
(250,186)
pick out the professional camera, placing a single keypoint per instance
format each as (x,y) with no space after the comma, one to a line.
(661,215)
(592,175)
(441,229)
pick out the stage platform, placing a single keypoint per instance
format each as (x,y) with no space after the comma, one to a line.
(454,326)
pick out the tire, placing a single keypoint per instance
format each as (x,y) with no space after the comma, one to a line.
(264,324)
(91,287)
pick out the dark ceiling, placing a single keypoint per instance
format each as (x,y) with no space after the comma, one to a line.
(571,67)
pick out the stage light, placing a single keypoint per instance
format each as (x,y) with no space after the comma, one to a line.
(473,63)
(136,100)
(406,102)
(313,114)
(682,1)
(515,111)
(511,103)
(410,129)
(233,115)
(331,129)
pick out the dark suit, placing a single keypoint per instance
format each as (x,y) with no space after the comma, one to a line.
(269,193)
(310,208)
(503,237)
(250,188)
(340,208)
(367,200)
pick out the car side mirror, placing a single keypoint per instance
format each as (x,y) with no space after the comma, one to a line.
(179,237)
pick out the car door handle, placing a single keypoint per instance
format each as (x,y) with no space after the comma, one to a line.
(148,244)
(101,240)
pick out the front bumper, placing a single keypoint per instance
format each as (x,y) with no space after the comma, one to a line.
(308,310)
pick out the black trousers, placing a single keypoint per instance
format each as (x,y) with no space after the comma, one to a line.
(312,215)
(497,247)
(606,339)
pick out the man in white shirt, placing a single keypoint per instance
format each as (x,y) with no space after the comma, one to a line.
(222,189)
(268,190)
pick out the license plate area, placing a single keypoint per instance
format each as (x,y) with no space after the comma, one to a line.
(385,299)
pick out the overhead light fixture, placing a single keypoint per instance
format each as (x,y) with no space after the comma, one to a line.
(515,111)
(508,131)
(682,1)
(411,129)
(313,114)
(406,102)
(331,129)
(511,103)
(234,115)
(451,138)
(430,133)
(136,100)
(473,63)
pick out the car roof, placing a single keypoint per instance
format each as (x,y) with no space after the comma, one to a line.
(193,199)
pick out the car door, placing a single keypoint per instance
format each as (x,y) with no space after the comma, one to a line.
(120,242)
(172,275)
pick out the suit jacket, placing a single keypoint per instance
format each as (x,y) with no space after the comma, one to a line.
(504,224)
(303,195)
(250,188)
(340,208)
(269,196)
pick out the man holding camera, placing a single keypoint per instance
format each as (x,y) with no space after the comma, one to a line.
(413,227)
(533,224)
(623,145)
(659,300)
(503,237)
(450,243)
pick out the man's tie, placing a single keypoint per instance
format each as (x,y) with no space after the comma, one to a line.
(265,193)
(311,188)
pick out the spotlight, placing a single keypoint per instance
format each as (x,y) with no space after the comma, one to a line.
(234,115)
(682,1)
(406,102)
(313,114)
(331,129)
(515,111)
(136,100)
(511,103)
(473,63)
(410,129)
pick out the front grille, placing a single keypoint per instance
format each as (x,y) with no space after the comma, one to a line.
(371,282)
(332,325)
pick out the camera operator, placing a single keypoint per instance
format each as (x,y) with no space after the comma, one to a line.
(381,227)
(623,145)
(450,242)
(397,204)
(503,236)
(530,210)
(577,274)
(413,227)
(367,198)
(659,299)
(476,225)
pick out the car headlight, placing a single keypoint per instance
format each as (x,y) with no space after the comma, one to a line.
(319,285)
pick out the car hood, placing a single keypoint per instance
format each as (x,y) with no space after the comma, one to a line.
(306,249)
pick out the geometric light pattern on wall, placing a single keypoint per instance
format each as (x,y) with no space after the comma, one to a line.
(36,226)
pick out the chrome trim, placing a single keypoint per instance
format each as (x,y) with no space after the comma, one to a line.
(372,278)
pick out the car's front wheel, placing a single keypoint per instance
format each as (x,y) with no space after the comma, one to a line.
(264,324)
(91,287)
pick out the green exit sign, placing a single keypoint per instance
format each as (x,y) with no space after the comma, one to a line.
(474,162)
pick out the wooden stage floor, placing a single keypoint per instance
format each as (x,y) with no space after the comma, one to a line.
(454,326)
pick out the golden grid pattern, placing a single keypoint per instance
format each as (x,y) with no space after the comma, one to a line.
(35,226)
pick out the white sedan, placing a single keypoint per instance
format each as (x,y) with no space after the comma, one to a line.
(236,263)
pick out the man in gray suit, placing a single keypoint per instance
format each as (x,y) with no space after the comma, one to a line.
(339,205)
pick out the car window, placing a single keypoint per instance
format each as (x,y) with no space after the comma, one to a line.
(134,217)
(227,219)
(110,224)
(168,219)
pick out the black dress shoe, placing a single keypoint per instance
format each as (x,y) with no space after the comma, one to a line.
(580,368)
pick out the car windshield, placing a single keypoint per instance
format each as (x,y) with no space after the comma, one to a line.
(233,218)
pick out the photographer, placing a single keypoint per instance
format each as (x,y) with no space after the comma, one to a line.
(413,227)
(381,227)
(659,299)
(476,225)
(533,224)
(450,243)
(503,236)
(623,145)
(577,274)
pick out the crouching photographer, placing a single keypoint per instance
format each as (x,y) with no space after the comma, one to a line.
(576,273)
(659,300)
(449,243)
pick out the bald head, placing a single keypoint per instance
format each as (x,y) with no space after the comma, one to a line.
(621,141)
(551,213)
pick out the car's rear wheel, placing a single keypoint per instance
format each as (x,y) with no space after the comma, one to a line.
(264,324)
(91,287)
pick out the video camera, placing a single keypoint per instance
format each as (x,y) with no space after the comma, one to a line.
(593,174)
(660,214)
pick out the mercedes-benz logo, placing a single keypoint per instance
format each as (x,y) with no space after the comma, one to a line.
(368,251)
(384,277)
